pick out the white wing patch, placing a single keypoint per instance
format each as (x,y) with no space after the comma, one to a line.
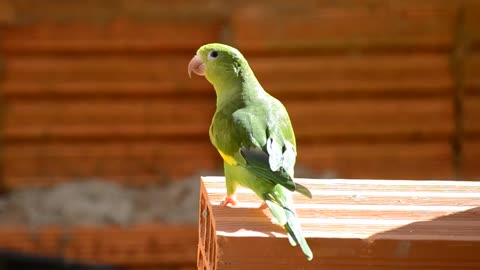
(274,151)
(277,158)
(289,156)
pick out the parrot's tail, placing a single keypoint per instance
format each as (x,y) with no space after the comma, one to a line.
(295,235)
(288,219)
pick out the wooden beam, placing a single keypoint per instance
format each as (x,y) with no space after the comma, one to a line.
(349,224)
(142,246)
(2,125)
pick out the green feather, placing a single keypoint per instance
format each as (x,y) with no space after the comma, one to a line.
(257,163)
(283,210)
(293,229)
(277,212)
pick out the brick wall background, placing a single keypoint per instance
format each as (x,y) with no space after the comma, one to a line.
(375,89)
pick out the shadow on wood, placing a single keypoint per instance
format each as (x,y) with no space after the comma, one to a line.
(446,242)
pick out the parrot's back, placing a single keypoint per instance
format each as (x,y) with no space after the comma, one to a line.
(248,125)
(252,124)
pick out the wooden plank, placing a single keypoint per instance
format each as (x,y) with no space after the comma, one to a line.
(391,234)
(3,117)
(472,73)
(110,88)
(146,245)
(350,74)
(382,64)
(125,170)
(7,12)
(471,9)
(471,158)
(379,160)
(155,67)
(114,37)
(127,118)
(414,73)
(132,163)
(104,11)
(347,25)
(107,118)
(55,10)
(471,115)
(159,10)
(155,161)
(357,118)
(358,87)
(109,149)
(140,110)
(135,131)
(471,100)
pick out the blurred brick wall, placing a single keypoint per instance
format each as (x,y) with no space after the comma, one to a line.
(470,95)
(375,89)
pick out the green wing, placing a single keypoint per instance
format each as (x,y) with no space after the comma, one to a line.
(271,164)
(259,138)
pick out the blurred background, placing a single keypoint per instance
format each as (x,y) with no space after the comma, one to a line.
(104,136)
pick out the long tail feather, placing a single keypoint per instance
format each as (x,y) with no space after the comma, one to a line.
(287,218)
(295,232)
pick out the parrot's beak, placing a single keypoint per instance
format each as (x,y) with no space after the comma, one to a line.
(197,66)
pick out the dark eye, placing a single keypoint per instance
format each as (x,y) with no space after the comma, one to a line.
(213,54)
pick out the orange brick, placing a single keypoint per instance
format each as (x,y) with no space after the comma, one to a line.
(371,118)
(118,36)
(323,75)
(471,158)
(471,115)
(379,160)
(471,9)
(382,24)
(158,68)
(109,117)
(133,163)
(472,73)
(106,89)
(7,12)
(146,245)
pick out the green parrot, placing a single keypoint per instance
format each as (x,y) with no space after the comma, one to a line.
(252,132)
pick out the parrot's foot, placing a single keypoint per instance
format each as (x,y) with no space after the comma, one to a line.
(263,206)
(232,200)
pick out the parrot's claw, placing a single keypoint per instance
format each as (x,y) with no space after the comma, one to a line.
(232,200)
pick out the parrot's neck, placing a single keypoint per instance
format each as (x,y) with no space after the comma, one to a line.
(238,90)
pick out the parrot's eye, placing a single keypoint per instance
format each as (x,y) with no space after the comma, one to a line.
(213,55)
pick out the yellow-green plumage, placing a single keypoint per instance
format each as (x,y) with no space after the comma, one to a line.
(253,134)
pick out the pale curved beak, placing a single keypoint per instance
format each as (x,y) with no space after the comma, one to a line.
(197,66)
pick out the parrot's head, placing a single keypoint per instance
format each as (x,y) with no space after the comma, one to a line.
(218,63)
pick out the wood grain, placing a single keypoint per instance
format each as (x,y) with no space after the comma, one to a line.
(350,224)
(385,160)
(354,74)
(471,156)
(116,36)
(137,247)
(192,116)
(472,116)
(390,25)
(129,162)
